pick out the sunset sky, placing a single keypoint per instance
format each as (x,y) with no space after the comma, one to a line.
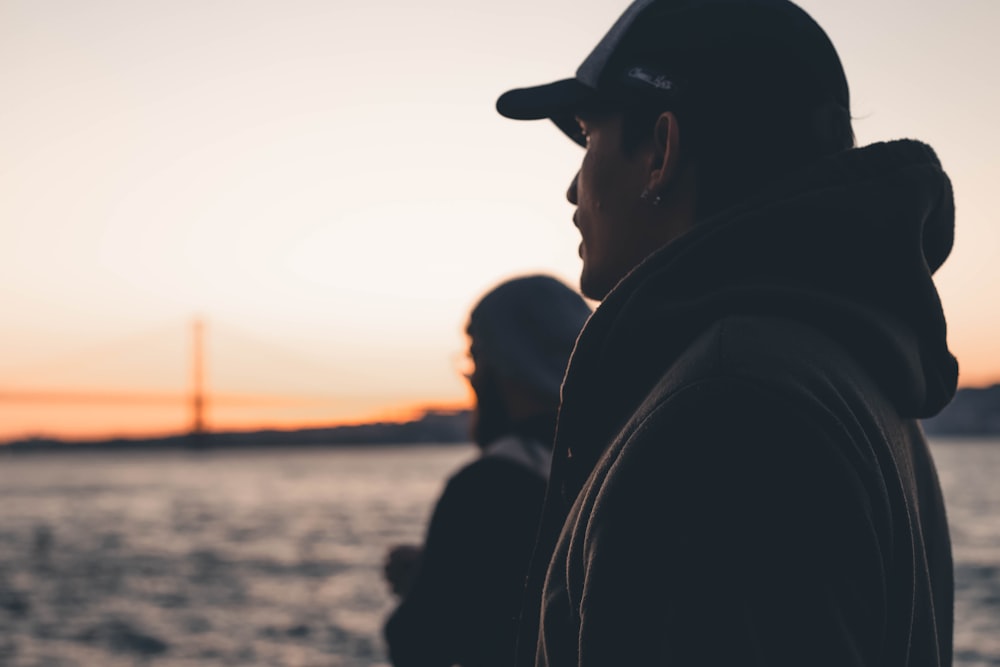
(328,185)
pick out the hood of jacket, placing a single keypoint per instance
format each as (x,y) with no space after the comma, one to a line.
(848,246)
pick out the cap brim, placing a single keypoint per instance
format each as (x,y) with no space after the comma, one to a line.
(558,101)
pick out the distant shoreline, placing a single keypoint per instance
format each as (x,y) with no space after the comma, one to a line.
(974,413)
(434,426)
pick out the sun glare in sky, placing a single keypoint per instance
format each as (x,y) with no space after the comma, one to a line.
(328,185)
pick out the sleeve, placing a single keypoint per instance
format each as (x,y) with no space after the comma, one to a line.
(735,529)
(462,606)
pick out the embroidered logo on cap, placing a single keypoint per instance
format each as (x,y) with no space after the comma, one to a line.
(650,78)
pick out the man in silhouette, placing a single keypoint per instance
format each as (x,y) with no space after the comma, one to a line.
(461,592)
(739,476)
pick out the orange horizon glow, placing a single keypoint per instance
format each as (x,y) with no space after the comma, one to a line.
(94,421)
(34,409)
(976,381)
(90,424)
(252,385)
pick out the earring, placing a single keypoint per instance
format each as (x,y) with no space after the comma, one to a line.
(657,200)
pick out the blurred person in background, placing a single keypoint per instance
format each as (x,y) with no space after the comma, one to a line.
(461,591)
(739,475)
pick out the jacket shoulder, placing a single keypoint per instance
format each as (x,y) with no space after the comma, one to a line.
(746,370)
(772,350)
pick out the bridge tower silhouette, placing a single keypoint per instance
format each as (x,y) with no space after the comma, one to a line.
(198,378)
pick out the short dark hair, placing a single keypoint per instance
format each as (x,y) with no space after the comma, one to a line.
(739,129)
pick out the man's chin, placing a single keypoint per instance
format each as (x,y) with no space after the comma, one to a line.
(592,287)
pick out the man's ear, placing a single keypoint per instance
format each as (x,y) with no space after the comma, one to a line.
(666,156)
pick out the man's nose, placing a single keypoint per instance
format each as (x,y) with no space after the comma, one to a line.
(571,192)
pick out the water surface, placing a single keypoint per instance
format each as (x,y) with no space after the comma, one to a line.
(273,557)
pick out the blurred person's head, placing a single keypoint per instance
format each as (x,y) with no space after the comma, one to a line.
(521,335)
(687,108)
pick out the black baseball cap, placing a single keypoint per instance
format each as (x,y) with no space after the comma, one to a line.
(656,49)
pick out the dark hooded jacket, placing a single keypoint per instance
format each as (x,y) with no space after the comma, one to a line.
(739,474)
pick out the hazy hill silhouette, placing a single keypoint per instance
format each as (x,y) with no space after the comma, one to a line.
(974,412)
(437,426)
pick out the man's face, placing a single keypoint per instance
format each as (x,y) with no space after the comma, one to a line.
(610,213)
